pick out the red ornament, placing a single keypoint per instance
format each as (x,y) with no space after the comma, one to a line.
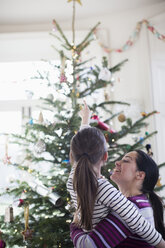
(27,234)
(102,125)
(63,78)
(2,244)
(21,202)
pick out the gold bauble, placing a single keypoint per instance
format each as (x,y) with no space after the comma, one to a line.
(121,118)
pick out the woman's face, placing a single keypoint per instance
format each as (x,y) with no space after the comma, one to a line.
(125,170)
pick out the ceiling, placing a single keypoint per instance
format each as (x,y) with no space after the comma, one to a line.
(22,12)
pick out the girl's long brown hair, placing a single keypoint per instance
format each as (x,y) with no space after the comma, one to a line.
(88,147)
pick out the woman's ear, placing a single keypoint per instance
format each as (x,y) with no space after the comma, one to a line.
(140,175)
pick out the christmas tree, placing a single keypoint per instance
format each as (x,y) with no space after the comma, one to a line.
(45,210)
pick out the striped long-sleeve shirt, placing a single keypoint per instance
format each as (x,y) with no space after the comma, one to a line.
(112,231)
(109,198)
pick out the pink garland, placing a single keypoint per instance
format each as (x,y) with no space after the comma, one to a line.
(132,39)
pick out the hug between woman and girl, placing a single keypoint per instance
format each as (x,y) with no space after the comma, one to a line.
(106,217)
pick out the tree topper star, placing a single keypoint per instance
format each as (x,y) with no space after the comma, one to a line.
(79,1)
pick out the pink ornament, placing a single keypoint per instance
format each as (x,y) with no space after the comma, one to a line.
(6,159)
(2,244)
(103,125)
(63,78)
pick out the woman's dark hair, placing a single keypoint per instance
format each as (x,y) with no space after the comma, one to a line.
(147,164)
(88,147)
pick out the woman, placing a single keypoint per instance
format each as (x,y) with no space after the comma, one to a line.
(136,176)
(93,196)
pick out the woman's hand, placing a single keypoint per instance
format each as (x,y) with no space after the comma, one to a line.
(85,114)
(161,244)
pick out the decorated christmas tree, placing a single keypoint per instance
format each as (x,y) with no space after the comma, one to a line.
(45,210)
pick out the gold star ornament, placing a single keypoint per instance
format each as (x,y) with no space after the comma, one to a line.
(75,1)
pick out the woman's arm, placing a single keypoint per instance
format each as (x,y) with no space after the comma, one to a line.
(110,230)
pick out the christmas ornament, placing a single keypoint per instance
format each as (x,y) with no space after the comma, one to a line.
(40,147)
(45,192)
(27,233)
(141,139)
(143,114)
(21,203)
(158,184)
(65,161)
(135,138)
(105,74)
(6,159)
(40,118)
(31,121)
(149,151)
(121,118)
(102,125)
(2,243)
(63,78)
(9,215)
(50,97)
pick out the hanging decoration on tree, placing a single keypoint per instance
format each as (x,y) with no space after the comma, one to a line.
(159,184)
(102,125)
(50,97)
(46,192)
(63,77)
(149,151)
(105,74)
(9,217)
(6,159)
(2,242)
(121,117)
(133,37)
(40,118)
(21,203)
(40,146)
(27,233)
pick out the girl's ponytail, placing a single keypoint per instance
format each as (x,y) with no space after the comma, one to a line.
(85,185)
(88,147)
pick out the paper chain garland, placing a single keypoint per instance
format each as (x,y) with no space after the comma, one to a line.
(132,39)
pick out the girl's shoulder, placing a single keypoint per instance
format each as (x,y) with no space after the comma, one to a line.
(104,182)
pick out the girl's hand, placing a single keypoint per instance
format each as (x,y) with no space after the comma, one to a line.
(85,114)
